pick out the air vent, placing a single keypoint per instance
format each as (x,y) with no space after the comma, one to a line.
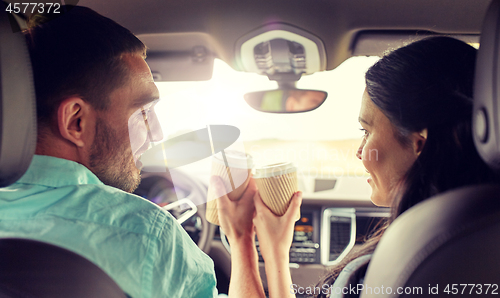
(324,184)
(340,235)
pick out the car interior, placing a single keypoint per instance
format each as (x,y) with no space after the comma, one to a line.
(238,64)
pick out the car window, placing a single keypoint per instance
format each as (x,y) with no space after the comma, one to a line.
(322,142)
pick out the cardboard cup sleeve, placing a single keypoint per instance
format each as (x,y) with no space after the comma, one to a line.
(235,178)
(277,183)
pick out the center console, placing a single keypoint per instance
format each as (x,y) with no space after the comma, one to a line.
(325,236)
(306,238)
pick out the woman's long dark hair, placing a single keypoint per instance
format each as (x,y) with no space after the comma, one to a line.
(426,85)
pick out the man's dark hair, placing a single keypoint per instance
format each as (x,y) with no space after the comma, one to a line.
(79,54)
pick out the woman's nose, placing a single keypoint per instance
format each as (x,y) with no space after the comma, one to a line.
(359,153)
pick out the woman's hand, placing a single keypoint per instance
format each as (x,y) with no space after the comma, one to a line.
(275,233)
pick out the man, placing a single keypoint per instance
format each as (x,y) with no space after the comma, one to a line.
(303,100)
(95,109)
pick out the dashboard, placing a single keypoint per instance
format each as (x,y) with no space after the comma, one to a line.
(334,221)
(325,235)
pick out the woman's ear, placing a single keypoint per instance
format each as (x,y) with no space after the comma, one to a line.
(73,119)
(419,139)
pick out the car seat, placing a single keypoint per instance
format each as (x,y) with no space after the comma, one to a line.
(31,268)
(17,103)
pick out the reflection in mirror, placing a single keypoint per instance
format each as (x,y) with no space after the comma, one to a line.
(285,100)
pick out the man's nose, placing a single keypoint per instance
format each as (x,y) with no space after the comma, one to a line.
(155,128)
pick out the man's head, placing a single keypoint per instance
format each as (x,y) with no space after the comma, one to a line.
(303,100)
(91,80)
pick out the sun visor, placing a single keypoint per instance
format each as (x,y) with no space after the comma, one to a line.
(486,117)
(380,42)
(180,56)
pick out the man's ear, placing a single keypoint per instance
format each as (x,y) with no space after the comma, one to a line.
(73,119)
(418,140)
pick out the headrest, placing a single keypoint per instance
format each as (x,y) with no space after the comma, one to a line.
(17,104)
(29,268)
(486,116)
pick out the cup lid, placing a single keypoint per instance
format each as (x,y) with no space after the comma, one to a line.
(274,170)
(235,159)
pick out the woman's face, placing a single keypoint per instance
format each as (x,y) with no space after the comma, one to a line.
(384,157)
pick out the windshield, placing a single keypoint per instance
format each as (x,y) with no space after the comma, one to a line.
(322,143)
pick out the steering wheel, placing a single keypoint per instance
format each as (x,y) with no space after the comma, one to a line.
(187,194)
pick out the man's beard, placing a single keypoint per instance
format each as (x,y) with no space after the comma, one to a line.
(111,158)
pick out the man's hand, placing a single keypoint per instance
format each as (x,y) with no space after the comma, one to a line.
(235,219)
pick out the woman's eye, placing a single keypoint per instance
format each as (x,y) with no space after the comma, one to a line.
(365,132)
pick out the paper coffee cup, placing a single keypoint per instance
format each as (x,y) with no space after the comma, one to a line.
(277,183)
(235,177)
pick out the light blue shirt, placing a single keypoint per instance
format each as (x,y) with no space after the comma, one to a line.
(136,243)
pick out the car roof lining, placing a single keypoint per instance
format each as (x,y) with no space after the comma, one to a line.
(226,21)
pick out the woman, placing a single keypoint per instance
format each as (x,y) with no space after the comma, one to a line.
(416,115)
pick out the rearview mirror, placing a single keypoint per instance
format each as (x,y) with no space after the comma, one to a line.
(285,100)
